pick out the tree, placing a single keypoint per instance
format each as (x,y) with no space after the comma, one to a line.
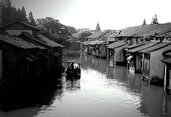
(5,10)
(24,15)
(144,22)
(71,29)
(5,3)
(10,13)
(155,20)
(31,19)
(19,14)
(14,14)
(83,35)
(54,26)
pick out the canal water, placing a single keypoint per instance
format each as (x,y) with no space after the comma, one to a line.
(102,91)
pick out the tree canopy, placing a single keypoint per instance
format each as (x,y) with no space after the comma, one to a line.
(71,29)
(31,19)
(10,13)
(155,20)
(83,35)
(53,26)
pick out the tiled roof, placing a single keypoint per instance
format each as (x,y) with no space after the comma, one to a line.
(154,29)
(96,42)
(95,35)
(145,30)
(18,42)
(156,47)
(166,34)
(116,44)
(32,39)
(136,45)
(48,41)
(20,22)
(130,31)
(98,35)
(111,39)
(113,34)
(147,45)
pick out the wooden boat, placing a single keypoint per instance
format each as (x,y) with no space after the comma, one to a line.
(73,71)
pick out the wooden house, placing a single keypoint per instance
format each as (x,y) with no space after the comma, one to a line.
(19,58)
(125,50)
(109,41)
(54,51)
(85,46)
(113,52)
(135,58)
(111,37)
(17,27)
(96,44)
(99,48)
(153,30)
(96,48)
(95,36)
(50,59)
(92,48)
(119,56)
(167,72)
(50,41)
(153,68)
(129,34)
(103,50)
(138,33)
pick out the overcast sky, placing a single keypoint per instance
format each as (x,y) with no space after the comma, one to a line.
(111,14)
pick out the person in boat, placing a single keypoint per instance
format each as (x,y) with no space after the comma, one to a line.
(73,70)
(77,68)
(77,71)
(70,69)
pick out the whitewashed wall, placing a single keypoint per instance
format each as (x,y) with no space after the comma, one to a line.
(156,66)
(119,57)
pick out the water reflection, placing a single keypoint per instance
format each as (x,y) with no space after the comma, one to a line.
(150,100)
(26,98)
(88,62)
(73,85)
(154,102)
(101,91)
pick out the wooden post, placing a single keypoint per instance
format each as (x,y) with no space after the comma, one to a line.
(107,56)
(113,56)
(165,78)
